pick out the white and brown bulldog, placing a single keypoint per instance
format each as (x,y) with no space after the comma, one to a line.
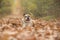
(27,21)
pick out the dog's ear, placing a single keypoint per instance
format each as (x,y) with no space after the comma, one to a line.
(24,14)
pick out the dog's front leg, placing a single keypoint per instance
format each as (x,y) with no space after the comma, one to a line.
(24,25)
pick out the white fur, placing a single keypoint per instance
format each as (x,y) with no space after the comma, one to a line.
(27,23)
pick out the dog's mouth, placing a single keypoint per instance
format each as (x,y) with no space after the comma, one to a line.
(27,19)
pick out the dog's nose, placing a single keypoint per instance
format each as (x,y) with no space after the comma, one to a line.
(28,18)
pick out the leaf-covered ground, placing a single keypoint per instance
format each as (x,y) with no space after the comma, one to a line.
(11,29)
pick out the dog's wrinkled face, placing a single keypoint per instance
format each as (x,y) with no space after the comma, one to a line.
(27,17)
(27,21)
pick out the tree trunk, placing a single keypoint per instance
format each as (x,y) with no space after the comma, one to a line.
(16,7)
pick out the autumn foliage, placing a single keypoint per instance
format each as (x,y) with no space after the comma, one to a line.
(11,29)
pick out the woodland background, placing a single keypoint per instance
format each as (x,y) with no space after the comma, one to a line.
(46,9)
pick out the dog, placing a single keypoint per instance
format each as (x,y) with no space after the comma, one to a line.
(27,21)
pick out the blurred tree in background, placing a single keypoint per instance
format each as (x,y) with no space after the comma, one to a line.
(42,8)
(37,8)
(5,7)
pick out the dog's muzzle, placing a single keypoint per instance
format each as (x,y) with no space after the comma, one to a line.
(28,19)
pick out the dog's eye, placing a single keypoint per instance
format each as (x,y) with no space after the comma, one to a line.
(25,16)
(28,16)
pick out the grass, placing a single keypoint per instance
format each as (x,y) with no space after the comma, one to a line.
(48,17)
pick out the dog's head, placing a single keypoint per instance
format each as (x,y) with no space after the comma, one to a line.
(27,17)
